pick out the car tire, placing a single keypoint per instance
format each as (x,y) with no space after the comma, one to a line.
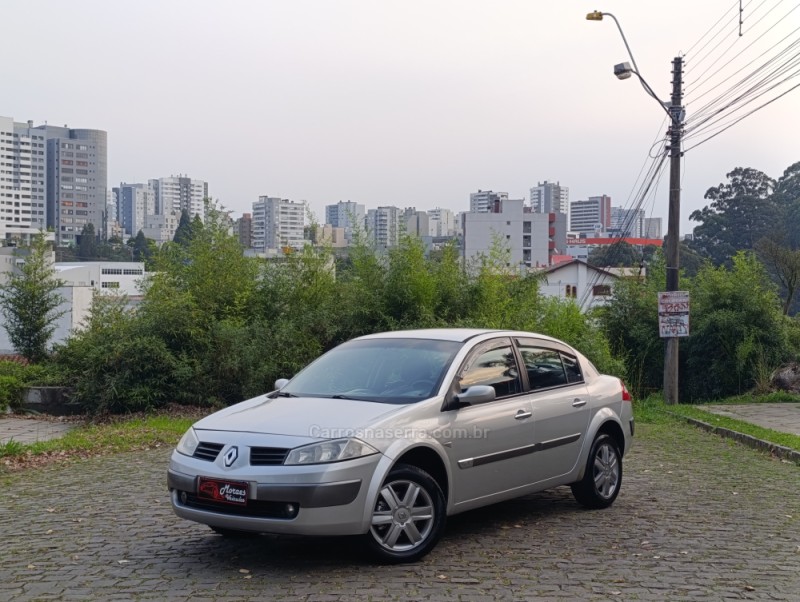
(408,517)
(602,478)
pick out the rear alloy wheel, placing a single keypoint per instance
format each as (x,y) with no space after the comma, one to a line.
(408,517)
(603,475)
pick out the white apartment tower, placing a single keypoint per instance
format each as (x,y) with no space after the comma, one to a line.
(384,226)
(485,201)
(23,179)
(532,238)
(652,227)
(627,222)
(347,215)
(590,216)
(442,222)
(278,223)
(180,193)
(547,197)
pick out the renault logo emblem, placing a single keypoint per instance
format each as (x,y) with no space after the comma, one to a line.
(230,456)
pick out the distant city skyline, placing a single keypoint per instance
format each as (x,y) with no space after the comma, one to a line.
(419,103)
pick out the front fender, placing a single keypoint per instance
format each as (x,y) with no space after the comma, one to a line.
(388,460)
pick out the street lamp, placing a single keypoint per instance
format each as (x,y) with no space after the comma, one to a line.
(675,132)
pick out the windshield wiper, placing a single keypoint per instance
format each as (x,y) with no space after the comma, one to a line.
(281,394)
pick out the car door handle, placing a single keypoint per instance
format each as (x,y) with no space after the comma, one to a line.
(578,402)
(522,415)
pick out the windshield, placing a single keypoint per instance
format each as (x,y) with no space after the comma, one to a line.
(384,370)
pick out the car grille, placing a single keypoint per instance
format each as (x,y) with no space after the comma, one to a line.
(207,451)
(267,456)
(254,508)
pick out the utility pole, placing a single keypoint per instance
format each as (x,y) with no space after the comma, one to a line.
(674,215)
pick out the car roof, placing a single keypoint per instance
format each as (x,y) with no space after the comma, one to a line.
(451,334)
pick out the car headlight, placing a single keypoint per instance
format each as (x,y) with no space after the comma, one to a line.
(329,451)
(188,443)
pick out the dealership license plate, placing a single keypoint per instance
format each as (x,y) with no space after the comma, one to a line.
(225,492)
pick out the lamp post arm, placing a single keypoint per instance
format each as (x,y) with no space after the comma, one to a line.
(624,39)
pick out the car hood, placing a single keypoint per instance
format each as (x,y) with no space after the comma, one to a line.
(316,417)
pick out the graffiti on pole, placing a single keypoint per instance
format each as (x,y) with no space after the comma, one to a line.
(673,314)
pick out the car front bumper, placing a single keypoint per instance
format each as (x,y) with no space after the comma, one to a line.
(323,499)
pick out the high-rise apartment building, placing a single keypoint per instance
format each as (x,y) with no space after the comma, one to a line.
(77,180)
(627,222)
(532,238)
(384,226)
(278,223)
(590,216)
(244,230)
(652,227)
(134,202)
(23,179)
(442,222)
(346,215)
(180,193)
(485,201)
(416,223)
(547,197)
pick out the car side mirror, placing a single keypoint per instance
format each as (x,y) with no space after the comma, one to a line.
(281,383)
(475,395)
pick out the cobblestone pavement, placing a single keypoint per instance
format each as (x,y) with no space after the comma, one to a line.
(698,518)
(776,416)
(30,430)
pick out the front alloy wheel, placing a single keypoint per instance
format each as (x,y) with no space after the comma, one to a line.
(408,516)
(603,475)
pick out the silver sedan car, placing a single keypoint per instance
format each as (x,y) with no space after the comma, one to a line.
(388,434)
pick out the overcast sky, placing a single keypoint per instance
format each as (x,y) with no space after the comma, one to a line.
(407,103)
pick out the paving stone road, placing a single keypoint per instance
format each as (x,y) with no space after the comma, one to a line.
(698,518)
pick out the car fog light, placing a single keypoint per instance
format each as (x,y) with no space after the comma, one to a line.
(184,497)
(291,510)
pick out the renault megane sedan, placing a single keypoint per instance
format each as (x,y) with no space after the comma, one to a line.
(388,434)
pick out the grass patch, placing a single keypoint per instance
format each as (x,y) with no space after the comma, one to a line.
(113,436)
(773,397)
(759,432)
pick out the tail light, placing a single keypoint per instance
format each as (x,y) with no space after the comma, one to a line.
(626,396)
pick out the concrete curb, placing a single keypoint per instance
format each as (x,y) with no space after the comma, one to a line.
(779,451)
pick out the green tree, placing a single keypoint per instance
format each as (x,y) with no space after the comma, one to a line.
(87,246)
(142,249)
(619,254)
(741,213)
(183,234)
(784,264)
(738,331)
(29,300)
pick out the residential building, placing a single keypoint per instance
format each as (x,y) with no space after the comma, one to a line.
(23,180)
(587,285)
(133,203)
(161,228)
(347,215)
(627,222)
(77,181)
(590,216)
(442,222)
(547,197)
(244,230)
(485,201)
(416,222)
(180,193)
(383,226)
(331,236)
(531,237)
(652,227)
(278,223)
